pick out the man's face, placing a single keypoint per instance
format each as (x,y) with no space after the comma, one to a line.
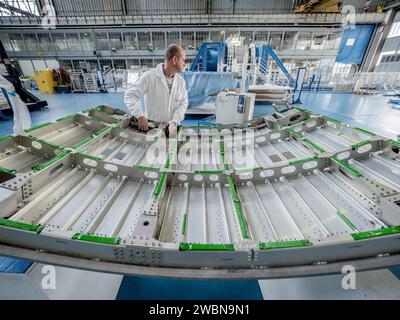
(179,61)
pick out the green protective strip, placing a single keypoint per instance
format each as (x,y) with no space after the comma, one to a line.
(20,225)
(102,131)
(80,144)
(66,117)
(160,184)
(376,233)
(294,134)
(238,208)
(360,144)
(222,153)
(85,155)
(48,143)
(303,160)
(7,137)
(346,220)
(394,142)
(146,168)
(209,171)
(348,167)
(97,239)
(8,171)
(50,162)
(206,247)
(313,145)
(307,111)
(38,126)
(244,170)
(332,119)
(184,224)
(369,133)
(284,244)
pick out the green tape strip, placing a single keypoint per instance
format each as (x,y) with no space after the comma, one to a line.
(284,244)
(369,133)
(394,142)
(66,117)
(303,160)
(8,171)
(348,167)
(295,135)
(80,144)
(20,225)
(97,239)
(48,143)
(244,170)
(7,137)
(346,220)
(238,208)
(160,184)
(206,247)
(331,119)
(360,144)
(376,233)
(209,171)
(102,131)
(50,162)
(313,145)
(184,224)
(146,168)
(88,156)
(38,126)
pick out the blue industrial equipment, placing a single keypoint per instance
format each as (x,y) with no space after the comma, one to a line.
(210,57)
(298,85)
(263,52)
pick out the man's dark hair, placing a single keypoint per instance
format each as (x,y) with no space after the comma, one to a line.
(173,51)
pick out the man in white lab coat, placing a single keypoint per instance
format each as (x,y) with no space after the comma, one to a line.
(164,90)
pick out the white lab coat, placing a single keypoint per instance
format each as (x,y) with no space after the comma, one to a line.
(161,106)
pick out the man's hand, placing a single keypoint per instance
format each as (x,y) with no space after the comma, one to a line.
(171,130)
(143,124)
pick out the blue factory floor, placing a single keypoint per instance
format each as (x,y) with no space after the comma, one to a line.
(369,112)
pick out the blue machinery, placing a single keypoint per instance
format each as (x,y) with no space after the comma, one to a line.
(263,53)
(210,57)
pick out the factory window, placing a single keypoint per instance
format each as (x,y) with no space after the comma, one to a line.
(261,37)
(144,41)
(115,41)
(130,41)
(319,40)
(188,40)
(201,37)
(73,41)
(31,42)
(29,6)
(304,41)
(333,40)
(66,64)
(102,41)
(86,41)
(289,39)
(158,40)
(173,37)
(275,40)
(133,63)
(119,64)
(5,39)
(247,37)
(394,30)
(217,36)
(146,63)
(17,42)
(45,42)
(59,41)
